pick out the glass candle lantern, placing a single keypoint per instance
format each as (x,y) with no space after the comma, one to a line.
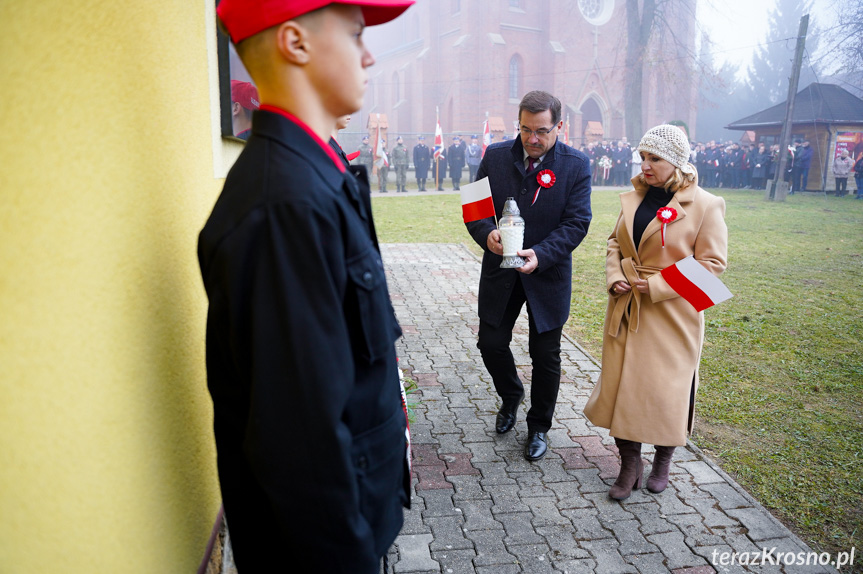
(511,226)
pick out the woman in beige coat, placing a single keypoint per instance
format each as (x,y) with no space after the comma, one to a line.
(653,337)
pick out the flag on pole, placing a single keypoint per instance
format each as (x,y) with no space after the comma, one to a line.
(486,137)
(517,129)
(438,142)
(476,202)
(566,131)
(383,160)
(695,283)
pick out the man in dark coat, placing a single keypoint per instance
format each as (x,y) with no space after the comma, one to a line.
(804,161)
(422,160)
(455,158)
(550,181)
(301,364)
(621,156)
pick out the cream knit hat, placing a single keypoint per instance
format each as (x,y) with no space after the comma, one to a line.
(670,143)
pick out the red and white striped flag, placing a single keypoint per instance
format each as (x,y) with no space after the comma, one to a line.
(696,284)
(438,141)
(486,137)
(476,202)
(383,160)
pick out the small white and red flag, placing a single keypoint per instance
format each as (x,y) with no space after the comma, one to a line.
(476,202)
(438,141)
(383,160)
(486,137)
(696,284)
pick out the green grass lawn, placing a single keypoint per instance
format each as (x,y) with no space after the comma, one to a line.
(779,406)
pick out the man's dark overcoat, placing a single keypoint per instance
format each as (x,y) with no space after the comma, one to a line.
(422,160)
(301,364)
(554,226)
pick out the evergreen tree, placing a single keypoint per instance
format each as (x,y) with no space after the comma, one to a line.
(773,60)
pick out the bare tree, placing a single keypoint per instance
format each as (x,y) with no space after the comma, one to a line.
(842,48)
(660,39)
(639,25)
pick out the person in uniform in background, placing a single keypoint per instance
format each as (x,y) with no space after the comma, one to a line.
(309,423)
(244,100)
(438,167)
(383,166)
(474,156)
(455,161)
(400,161)
(366,156)
(422,160)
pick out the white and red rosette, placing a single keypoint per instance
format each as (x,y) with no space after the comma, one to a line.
(665,215)
(546,178)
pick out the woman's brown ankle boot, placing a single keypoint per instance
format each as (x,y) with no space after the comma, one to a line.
(658,479)
(631,469)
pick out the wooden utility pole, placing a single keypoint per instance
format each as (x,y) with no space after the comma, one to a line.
(778,189)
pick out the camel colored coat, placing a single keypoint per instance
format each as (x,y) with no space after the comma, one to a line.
(652,343)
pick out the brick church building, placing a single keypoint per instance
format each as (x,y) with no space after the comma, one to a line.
(469,58)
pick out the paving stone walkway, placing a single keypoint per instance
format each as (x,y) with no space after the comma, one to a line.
(479,506)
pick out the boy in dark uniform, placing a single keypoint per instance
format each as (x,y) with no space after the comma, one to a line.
(301,365)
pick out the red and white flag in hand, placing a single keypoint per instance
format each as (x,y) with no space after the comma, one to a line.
(476,202)
(696,284)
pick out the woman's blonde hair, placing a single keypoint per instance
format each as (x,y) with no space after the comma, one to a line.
(677,181)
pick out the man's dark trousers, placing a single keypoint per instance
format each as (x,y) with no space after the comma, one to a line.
(544,351)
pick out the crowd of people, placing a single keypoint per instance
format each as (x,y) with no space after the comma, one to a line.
(729,165)
(452,160)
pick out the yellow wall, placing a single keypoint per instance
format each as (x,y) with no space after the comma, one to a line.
(107,462)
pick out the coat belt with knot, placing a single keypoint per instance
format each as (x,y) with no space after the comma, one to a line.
(630,303)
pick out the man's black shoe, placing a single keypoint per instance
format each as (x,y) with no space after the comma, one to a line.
(506,418)
(536,446)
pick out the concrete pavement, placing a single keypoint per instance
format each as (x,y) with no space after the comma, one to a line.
(480,507)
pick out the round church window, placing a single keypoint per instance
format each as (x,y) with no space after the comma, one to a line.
(597,12)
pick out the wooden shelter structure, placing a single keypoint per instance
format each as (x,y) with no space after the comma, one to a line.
(829,117)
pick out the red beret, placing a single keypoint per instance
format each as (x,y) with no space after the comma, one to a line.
(244,18)
(245,94)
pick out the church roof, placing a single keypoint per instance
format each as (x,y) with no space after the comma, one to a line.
(816,103)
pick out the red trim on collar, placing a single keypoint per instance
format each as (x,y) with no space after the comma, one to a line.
(337,161)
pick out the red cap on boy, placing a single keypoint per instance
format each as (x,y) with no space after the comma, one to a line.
(244,18)
(245,94)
